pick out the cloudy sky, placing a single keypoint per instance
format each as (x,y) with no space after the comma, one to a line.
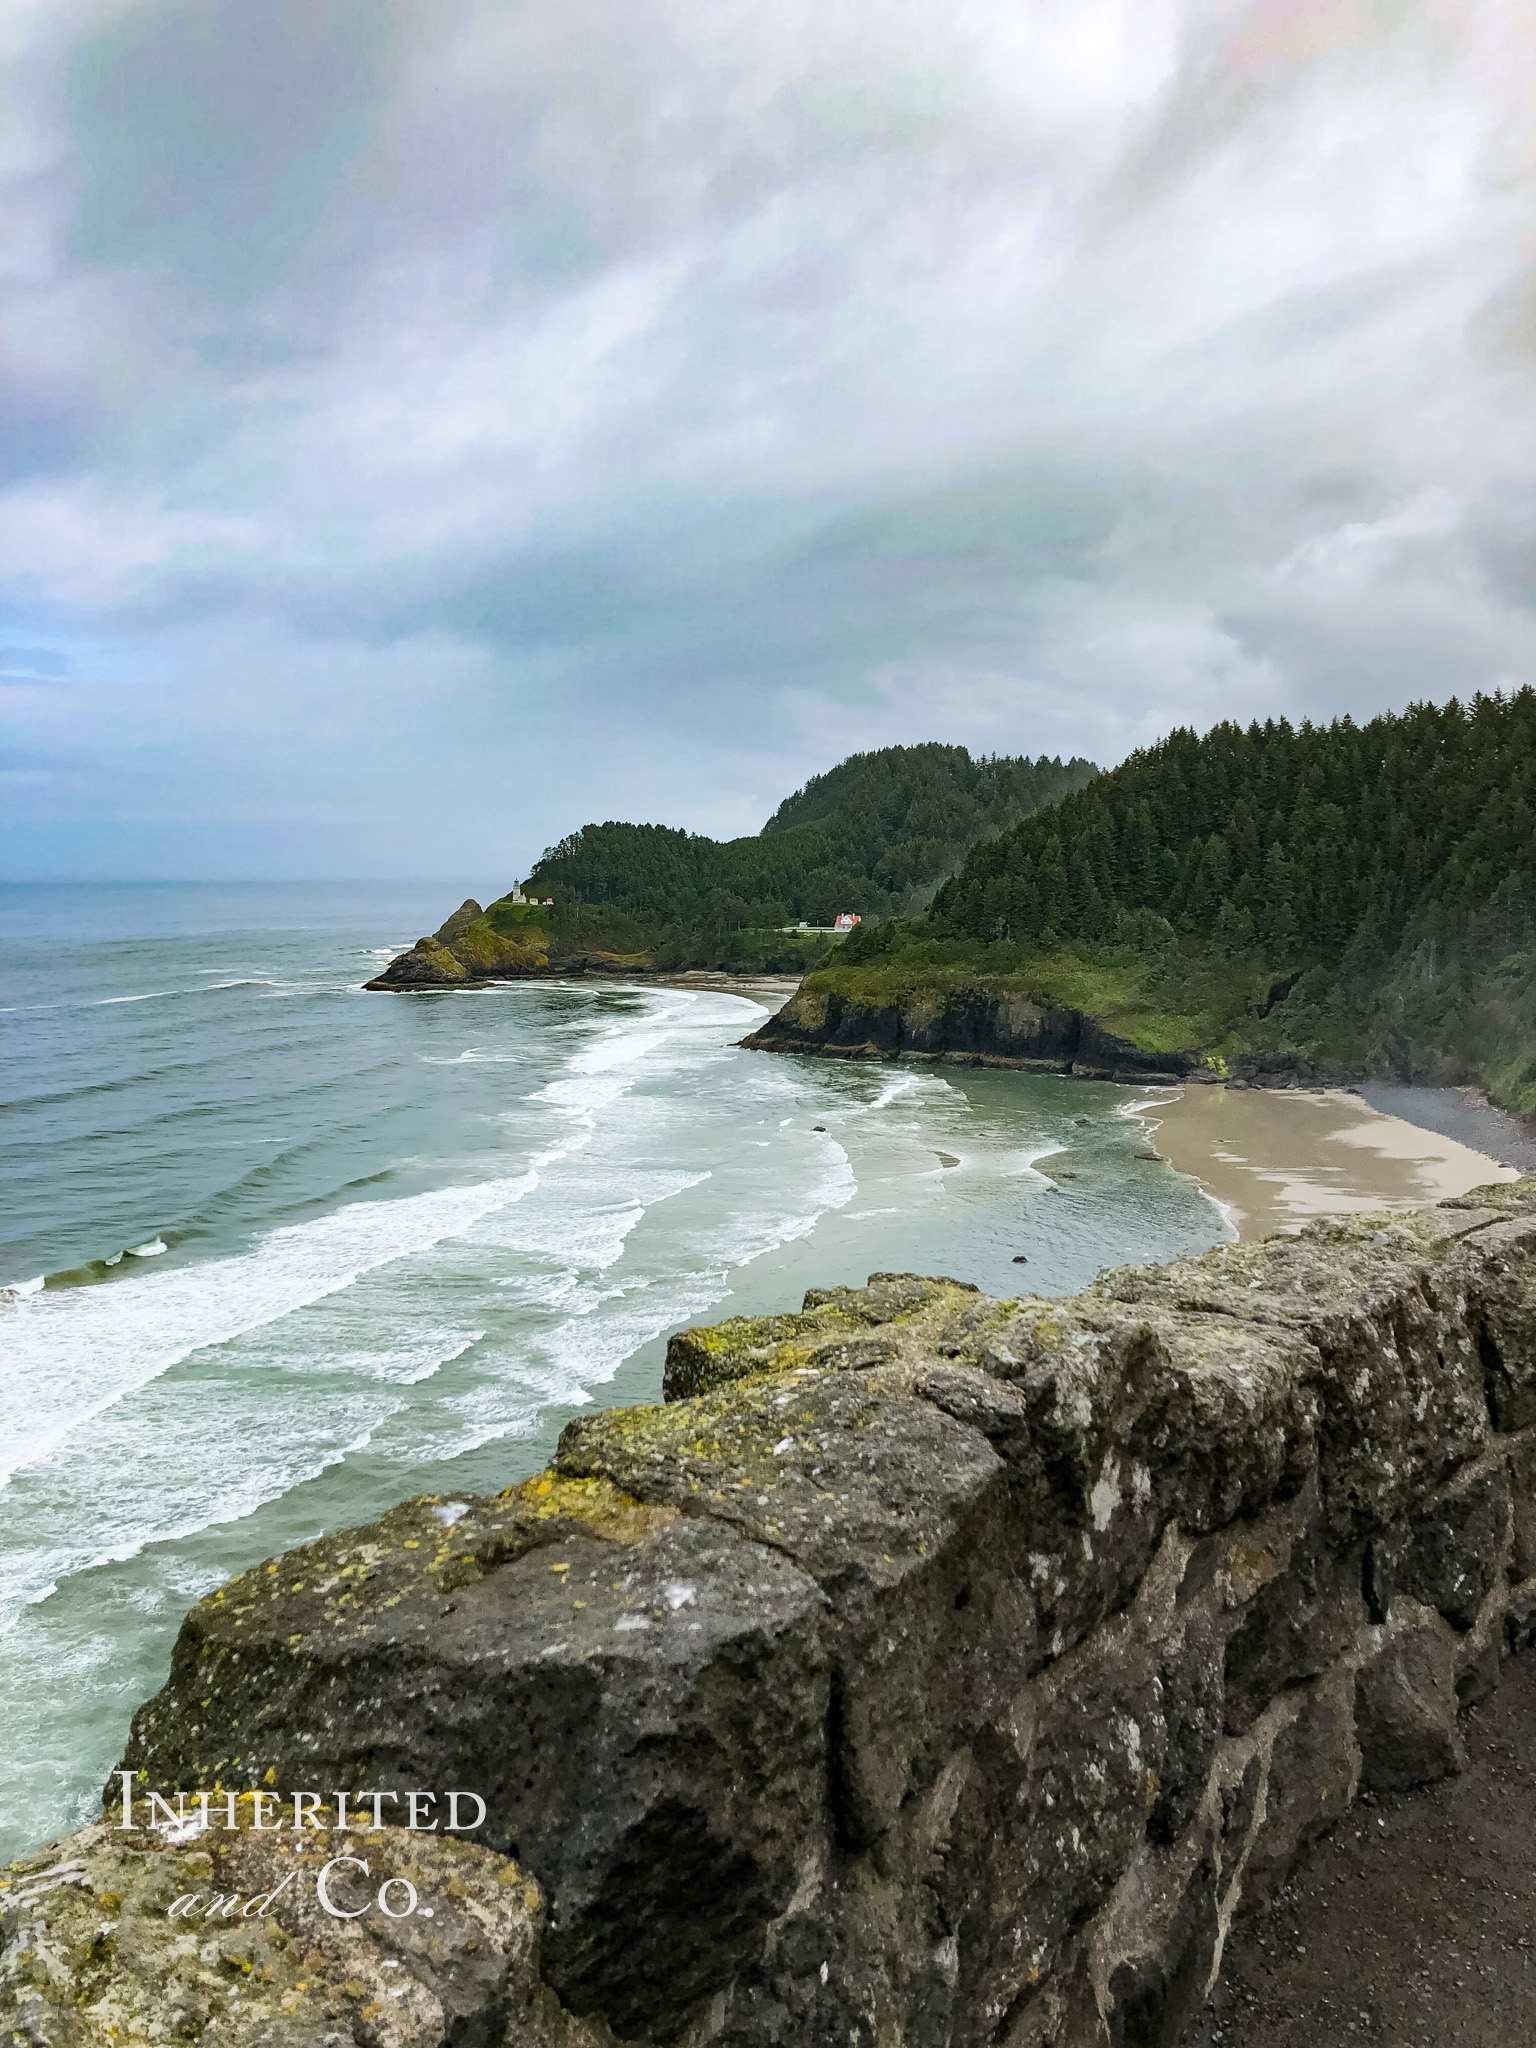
(430,424)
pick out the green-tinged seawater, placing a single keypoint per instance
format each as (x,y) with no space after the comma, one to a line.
(313,1250)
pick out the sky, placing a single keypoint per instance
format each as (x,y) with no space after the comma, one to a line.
(429,425)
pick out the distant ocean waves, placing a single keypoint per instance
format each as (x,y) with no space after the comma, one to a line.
(143,1410)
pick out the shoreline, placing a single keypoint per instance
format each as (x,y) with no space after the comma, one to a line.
(1271,1159)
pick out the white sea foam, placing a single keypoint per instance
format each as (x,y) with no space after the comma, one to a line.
(616,1049)
(1138,1109)
(223,1472)
(132,1506)
(892,1091)
(403,1365)
(82,1349)
(472,1055)
(581,1353)
(1032,1160)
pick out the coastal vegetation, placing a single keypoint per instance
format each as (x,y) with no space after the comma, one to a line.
(876,835)
(1314,902)
(1328,900)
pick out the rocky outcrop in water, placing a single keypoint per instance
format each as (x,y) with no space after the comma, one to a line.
(470,948)
(429,964)
(931,1669)
(477,952)
(967,1025)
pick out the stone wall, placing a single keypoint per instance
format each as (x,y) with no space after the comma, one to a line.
(934,1670)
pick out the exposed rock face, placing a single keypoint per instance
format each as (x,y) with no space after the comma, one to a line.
(969,1026)
(477,953)
(454,927)
(469,948)
(114,1936)
(429,964)
(932,1669)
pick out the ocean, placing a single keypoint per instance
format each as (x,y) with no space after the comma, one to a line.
(279,1253)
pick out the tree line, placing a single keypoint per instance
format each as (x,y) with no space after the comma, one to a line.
(875,835)
(1346,897)
(1342,844)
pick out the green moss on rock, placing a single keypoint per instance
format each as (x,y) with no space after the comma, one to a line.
(92,1957)
(478,952)
(826,1333)
(453,927)
(485,951)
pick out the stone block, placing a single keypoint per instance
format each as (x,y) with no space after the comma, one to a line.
(1502,1319)
(1454,1554)
(1193,1699)
(110,1936)
(1522,1476)
(1405,1709)
(1295,1625)
(1520,1617)
(1477,1674)
(1313,1772)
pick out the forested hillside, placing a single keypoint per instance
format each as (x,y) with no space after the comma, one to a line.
(878,833)
(875,835)
(1349,896)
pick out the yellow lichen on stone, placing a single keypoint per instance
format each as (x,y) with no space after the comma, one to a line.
(596,1503)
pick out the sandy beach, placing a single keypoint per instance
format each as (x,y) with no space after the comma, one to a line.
(1274,1157)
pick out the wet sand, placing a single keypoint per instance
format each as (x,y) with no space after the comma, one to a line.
(774,990)
(1464,1113)
(1275,1157)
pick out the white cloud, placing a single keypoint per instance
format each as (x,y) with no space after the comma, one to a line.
(741,383)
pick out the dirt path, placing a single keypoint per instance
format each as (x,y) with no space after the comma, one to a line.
(1415,1925)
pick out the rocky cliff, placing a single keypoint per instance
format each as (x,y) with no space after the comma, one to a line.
(972,1026)
(504,943)
(466,948)
(928,1669)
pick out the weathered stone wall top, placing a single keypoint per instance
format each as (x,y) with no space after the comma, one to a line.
(931,1669)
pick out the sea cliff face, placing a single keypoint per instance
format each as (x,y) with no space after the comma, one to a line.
(931,1669)
(465,948)
(968,1026)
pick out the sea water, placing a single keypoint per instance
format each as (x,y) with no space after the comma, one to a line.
(308,1251)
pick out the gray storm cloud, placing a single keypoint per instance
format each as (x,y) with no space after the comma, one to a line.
(658,402)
